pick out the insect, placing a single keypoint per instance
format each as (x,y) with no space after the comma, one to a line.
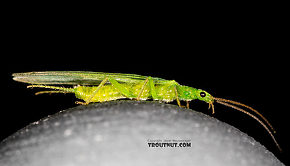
(101,87)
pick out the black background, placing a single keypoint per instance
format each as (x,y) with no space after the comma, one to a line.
(235,54)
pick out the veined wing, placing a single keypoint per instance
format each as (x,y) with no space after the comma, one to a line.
(78,77)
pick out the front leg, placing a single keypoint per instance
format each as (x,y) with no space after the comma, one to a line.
(175,84)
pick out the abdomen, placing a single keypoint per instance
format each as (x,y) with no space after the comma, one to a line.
(108,92)
(105,93)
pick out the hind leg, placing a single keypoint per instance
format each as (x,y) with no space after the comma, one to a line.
(116,85)
(49,92)
(94,93)
(57,89)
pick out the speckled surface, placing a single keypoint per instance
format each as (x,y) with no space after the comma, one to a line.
(118,133)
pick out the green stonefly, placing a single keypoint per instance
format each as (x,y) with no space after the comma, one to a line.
(102,87)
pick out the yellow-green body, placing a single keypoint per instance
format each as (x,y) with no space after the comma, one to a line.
(109,92)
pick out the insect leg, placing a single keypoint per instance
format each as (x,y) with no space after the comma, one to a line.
(50,92)
(187,104)
(59,89)
(152,89)
(121,88)
(143,87)
(177,98)
(94,93)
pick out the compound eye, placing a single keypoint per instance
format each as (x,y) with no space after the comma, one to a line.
(202,94)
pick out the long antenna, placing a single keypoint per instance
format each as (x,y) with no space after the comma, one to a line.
(254,117)
(244,105)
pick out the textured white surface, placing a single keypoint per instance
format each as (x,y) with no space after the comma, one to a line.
(118,133)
